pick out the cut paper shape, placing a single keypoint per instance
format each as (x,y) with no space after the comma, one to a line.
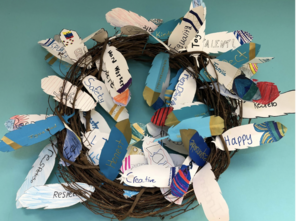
(283,105)
(156,78)
(177,159)
(130,30)
(196,146)
(221,42)
(164,31)
(156,21)
(251,135)
(40,171)
(99,91)
(181,181)
(196,3)
(119,17)
(196,44)
(117,67)
(206,126)
(155,153)
(246,89)
(160,101)
(75,47)
(160,116)
(185,89)
(184,32)
(72,147)
(171,88)
(96,121)
(54,85)
(269,92)
(91,138)
(149,176)
(60,67)
(56,48)
(133,161)
(186,110)
(138,132)
(95,150)
(54,196)
(157,132)
(260,60)
(208,194)
(98,36)
(19,121)
(32,133)
(132,150)
(249,69)
(115,149)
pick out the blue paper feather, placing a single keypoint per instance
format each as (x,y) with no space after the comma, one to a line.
(171,88)
(196,3)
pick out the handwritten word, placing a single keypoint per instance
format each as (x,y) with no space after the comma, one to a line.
(179,89)
(96,157)
(112,56)
(116,154)
(239,139)
(42,165)
(95,90)
(196,39)
(182,42)
(109,80)
(159,86)
(240,54)
(36,135)
(202,154)
(272,104)
(139,180)
(216,65)
(117,73)
(159,34)
(65,194)
(149,29)
(215,43)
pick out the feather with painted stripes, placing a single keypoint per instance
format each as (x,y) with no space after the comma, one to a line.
(269,92)
(160,116)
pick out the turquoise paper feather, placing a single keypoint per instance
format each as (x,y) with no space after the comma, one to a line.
(171,88)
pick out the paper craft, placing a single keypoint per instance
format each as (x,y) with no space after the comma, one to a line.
(269,92)
(132,150)
(161,100)
(98,36)
(251,135)
(118,69)
(157,132)
(96,121)
(177,159)
(249,69)
(156,21)
(75,47)
(90,138)
(32,133)
(221,42)
(184,32)
(283,105)
(54,85)
(196,3)
(196,44)
(133,161)
(72,147)
(208,194)
(160,116)
(164,31)
(130,30)
(184,90)
(186,110)
(115,149)
(181,181)
(54,196)
(99,91)
(149,176)
(138,132)
(40,171)
(206,126)
(196,146)
(18,121)
(171,88)
(119,17)
(156,78)
(60,67)
(56,49)
(260,60)
(246,89)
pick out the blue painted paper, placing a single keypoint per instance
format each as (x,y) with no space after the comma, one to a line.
(72,147)
(200,110)
(164,31)
(112,154)
(171,88)
(32,133)
(198,150)
(196,3)
(239,56)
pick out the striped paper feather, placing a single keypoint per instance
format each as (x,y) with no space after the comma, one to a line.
(269,92)
(249,69)
(160,116)
(181,181)
(171,88)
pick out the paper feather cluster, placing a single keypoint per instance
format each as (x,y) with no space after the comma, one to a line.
(172,152)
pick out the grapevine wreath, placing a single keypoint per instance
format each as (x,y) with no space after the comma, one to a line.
(127,171)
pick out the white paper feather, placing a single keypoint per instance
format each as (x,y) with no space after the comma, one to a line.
(40,171)
(53,196)
(53,86)
(260,60)
(208,194)
(18,121)
(119,17)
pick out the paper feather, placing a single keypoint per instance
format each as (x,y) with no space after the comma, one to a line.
(133,161)
(251,135)
(96,121)
(186,110)
(196,3)
(31,134)
(54,85)
(260,60)
(161,100)
(208,194)
(119,17)
(283,105)
(249,69)
(171,88)
(184,32)
(115,149)
(54,196)
(60,67)
(160,116)
(156,78)
(19,121)
(269,92)
(40,171)
(99,91)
